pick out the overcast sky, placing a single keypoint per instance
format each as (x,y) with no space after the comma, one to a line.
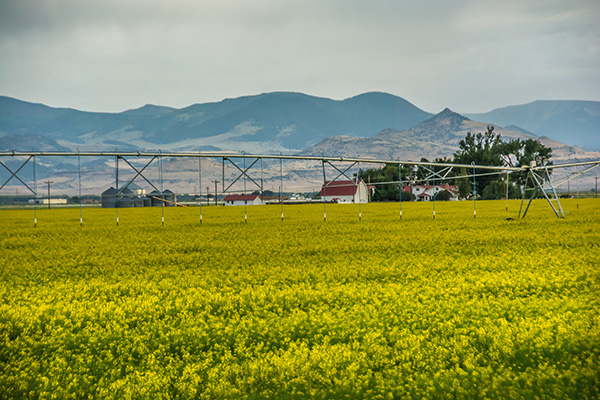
(470,56)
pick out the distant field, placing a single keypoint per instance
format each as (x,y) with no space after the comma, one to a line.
(385,308)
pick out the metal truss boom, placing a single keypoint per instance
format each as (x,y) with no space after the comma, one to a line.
(283,157)
(574,175)
(534,172)
(226,155)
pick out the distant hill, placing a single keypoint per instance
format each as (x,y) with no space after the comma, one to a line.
(569,121)
(30,142)
(270,122)
(149,110)
(435,137)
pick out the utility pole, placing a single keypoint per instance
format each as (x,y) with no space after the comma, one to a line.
(49,182)
(216,183)
(506,196)
(207,195)
(596,190)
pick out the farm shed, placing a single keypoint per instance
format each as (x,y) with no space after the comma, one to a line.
(345,192)
(50,201)
(109,198)
(241,199)
(129,198)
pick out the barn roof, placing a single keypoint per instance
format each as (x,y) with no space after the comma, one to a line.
(339,188)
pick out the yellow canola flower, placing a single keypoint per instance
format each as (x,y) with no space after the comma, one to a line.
(383,308)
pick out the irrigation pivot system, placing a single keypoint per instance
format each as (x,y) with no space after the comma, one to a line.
(538,176)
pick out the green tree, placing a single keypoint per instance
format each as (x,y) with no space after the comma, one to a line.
(406,196)
(497,190)
(519,153)
(489,149)
(443,195)
(464,184)
(385,181)
(480,149)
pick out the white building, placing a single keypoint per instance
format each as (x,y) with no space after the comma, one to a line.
(241,199)
(426,192)
(345,192)
(46,201)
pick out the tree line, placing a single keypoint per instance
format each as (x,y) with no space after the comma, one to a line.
(486,148)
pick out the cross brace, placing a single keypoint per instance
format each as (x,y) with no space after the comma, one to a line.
(574,175)
(14,174)
(340,172)
(539,187)
(243,172)
(438,174)
(138,173)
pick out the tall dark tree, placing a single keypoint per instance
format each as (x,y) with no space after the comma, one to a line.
(464,184)
(519,153)
(480,149)
(489,149)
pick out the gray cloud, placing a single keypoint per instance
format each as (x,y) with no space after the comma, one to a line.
(468,55)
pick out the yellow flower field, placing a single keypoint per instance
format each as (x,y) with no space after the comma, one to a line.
(451,308)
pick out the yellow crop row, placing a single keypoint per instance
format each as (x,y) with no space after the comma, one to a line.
(383,308)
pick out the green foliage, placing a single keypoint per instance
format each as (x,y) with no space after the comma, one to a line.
(480,149)
(489,149)
(443,195)
(497,190)
(466,309)
(464,185)
(266,193)
(385,181)
(406,196)
(518,153)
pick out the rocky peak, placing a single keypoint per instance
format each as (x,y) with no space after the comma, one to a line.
(448,113)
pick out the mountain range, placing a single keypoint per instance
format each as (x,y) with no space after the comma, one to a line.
(374,125)
(437,136)
(270,122)
(574,122)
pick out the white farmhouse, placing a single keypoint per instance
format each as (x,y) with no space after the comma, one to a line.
(241,199)
(345,192)
(426,192)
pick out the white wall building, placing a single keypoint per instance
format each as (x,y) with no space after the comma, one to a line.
(426,192)
(46,201)
(241,199)
(345,192)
